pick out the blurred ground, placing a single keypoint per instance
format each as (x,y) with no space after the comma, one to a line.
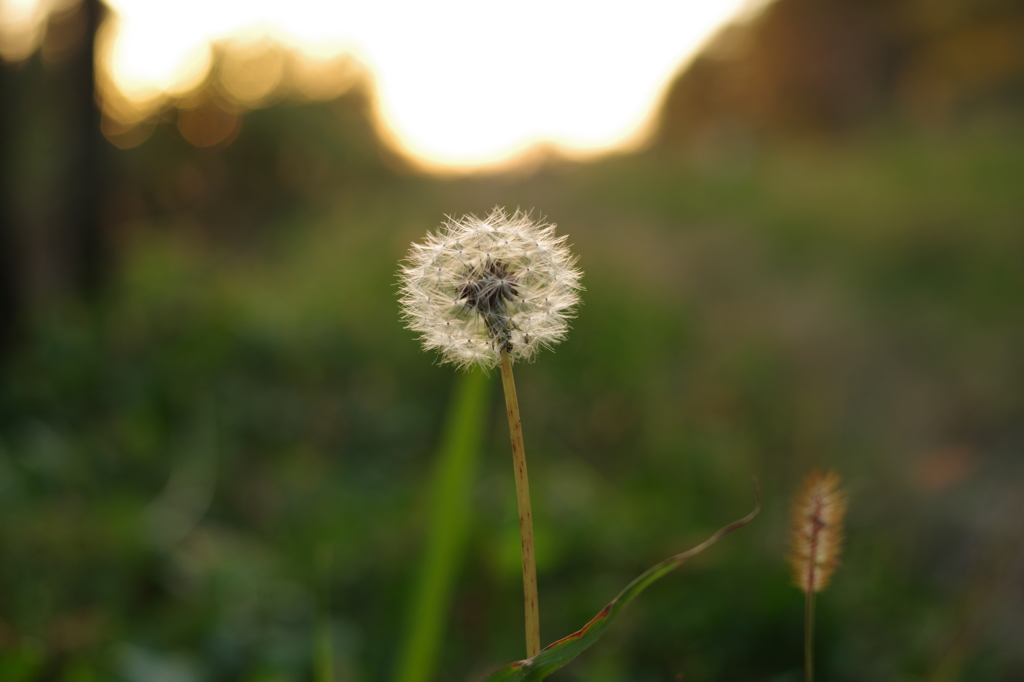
(228,436)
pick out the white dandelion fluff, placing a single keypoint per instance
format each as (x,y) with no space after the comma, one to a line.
(477,287)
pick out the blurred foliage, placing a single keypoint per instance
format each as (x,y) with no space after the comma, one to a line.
(221,463)
(175,459)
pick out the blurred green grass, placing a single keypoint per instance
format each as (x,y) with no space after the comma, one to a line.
(757,312)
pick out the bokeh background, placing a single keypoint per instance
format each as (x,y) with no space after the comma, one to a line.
(217,441)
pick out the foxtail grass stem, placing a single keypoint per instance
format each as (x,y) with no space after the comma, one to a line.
(515,430)
(809,637)
(816,543)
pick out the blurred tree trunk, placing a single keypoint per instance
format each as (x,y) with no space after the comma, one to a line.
(60,249)
(84,175)
(10,275)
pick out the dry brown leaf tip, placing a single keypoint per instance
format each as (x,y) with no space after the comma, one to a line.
(817,540)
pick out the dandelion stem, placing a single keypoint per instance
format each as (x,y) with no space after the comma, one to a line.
(515,429)
(809,637)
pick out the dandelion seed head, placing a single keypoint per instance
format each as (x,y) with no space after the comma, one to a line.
(479,286)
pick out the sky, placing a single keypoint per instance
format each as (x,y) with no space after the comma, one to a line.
(460,84)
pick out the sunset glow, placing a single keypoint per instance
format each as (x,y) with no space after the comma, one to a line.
(459,83)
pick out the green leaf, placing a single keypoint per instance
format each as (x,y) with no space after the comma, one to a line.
(555,655)
(449,516)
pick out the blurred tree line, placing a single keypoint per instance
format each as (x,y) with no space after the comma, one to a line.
(797,67)
(830,67)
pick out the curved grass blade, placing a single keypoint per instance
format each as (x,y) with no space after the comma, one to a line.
(555,655)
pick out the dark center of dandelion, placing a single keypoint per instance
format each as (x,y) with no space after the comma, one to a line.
(486,290)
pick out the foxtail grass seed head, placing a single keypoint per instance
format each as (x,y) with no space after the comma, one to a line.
(818,511)
(477,287)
